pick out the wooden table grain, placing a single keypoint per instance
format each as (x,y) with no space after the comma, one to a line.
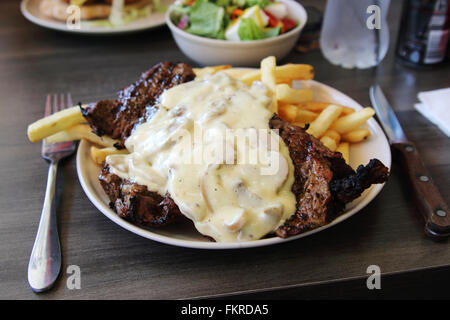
(116,264)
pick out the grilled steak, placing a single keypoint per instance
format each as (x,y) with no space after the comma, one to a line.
(323,184)
(135,203)
(117,118)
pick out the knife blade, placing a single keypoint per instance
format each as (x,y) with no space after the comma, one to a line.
(434,209)
(387,116)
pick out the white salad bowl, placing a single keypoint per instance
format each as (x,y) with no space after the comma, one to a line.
(206,51)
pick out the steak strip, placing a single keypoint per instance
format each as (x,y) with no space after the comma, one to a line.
(324,183)
(135,103)
(135,203)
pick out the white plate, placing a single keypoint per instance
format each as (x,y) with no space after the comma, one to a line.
(30,10)
(376,146)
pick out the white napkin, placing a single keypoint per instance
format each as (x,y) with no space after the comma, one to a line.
(435,106)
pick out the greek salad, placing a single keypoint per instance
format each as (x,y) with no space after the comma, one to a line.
(235,20)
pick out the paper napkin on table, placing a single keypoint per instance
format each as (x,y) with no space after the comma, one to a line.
(435,106)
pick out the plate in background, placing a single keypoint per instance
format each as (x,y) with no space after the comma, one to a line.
(30,10)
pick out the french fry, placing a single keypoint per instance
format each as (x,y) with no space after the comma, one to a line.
(287,112)
(333,135)
(283,74)
(319,126)
(292,113)
(329,142)
(299,124)
(295,72)
(305,116)
(240,73)
(353,121)
(99,155)
(357,135)
(285,81)
(200,72)
(288,95)
(54,123)
(250,75)
(316,106)
(268,66)
(347,110)
(313,106)
(344,149)
(81,131)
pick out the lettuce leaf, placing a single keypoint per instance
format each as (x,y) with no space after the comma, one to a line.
(272,32)
(239,3)
(206,19)
(177,12)
(249,30)
(260,3)
(222,3)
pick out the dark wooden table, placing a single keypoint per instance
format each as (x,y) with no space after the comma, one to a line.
(117,264)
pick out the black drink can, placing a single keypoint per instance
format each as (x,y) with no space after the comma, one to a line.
(424,32)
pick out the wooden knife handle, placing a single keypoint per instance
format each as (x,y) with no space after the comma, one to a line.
(431,204)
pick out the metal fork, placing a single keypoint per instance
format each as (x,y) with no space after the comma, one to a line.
(45,259)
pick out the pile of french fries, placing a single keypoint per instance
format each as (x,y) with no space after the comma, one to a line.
(336,126)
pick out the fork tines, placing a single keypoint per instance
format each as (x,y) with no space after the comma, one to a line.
(64,103)
(60,102)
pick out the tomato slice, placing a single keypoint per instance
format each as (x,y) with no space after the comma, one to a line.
(288,24)
(273,22)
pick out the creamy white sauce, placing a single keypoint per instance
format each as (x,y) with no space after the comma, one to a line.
(209,145)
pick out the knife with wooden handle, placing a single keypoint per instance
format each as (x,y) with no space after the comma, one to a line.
(430,202)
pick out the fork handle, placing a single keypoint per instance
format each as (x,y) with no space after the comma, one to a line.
(45,259)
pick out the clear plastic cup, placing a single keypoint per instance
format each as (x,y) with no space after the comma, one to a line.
(355,33)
